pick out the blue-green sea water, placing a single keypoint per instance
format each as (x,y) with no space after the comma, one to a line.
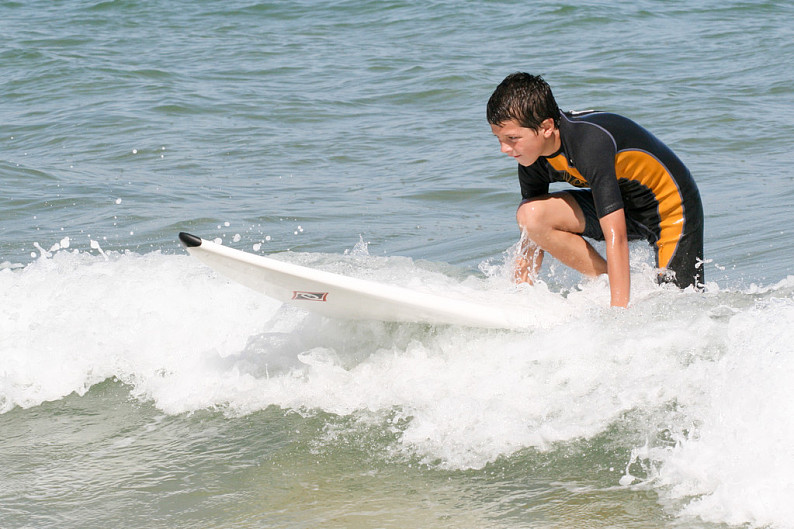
(139,388)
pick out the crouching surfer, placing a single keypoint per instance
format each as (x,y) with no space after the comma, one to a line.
(629,185)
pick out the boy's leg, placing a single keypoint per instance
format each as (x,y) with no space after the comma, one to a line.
(555,223)
(685,266)
(687,262)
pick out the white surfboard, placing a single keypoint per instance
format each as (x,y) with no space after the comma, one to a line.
(339,296)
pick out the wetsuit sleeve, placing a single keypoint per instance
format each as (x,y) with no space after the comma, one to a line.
(534,180)
(597,156)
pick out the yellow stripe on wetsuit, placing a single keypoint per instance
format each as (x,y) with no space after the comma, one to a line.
(647,171)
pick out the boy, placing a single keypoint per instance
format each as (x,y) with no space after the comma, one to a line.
(632,186)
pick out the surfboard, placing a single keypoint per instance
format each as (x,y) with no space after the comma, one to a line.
(340,296)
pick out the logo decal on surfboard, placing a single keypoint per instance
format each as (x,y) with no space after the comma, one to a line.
(309,296)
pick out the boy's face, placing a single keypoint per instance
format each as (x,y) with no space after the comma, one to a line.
(527,145)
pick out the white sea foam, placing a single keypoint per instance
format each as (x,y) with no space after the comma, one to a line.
(75,319)
(713,368)
(737,465)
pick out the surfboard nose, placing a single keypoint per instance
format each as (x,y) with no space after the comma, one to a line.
(190,241)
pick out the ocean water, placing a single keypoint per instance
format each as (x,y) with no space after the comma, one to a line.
(138,387)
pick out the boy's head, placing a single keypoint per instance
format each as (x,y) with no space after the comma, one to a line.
(525,99)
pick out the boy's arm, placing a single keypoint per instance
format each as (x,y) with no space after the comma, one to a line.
(528,261)
(617,248)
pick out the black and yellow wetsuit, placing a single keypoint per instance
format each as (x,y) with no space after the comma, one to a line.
(625,166)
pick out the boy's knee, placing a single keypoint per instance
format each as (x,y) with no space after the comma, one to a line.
(530,216)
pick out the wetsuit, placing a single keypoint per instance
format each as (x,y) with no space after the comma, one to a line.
(625,166)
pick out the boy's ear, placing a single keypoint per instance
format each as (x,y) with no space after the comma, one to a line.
(547,126)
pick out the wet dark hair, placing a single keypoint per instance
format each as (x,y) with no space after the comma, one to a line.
(525,98)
